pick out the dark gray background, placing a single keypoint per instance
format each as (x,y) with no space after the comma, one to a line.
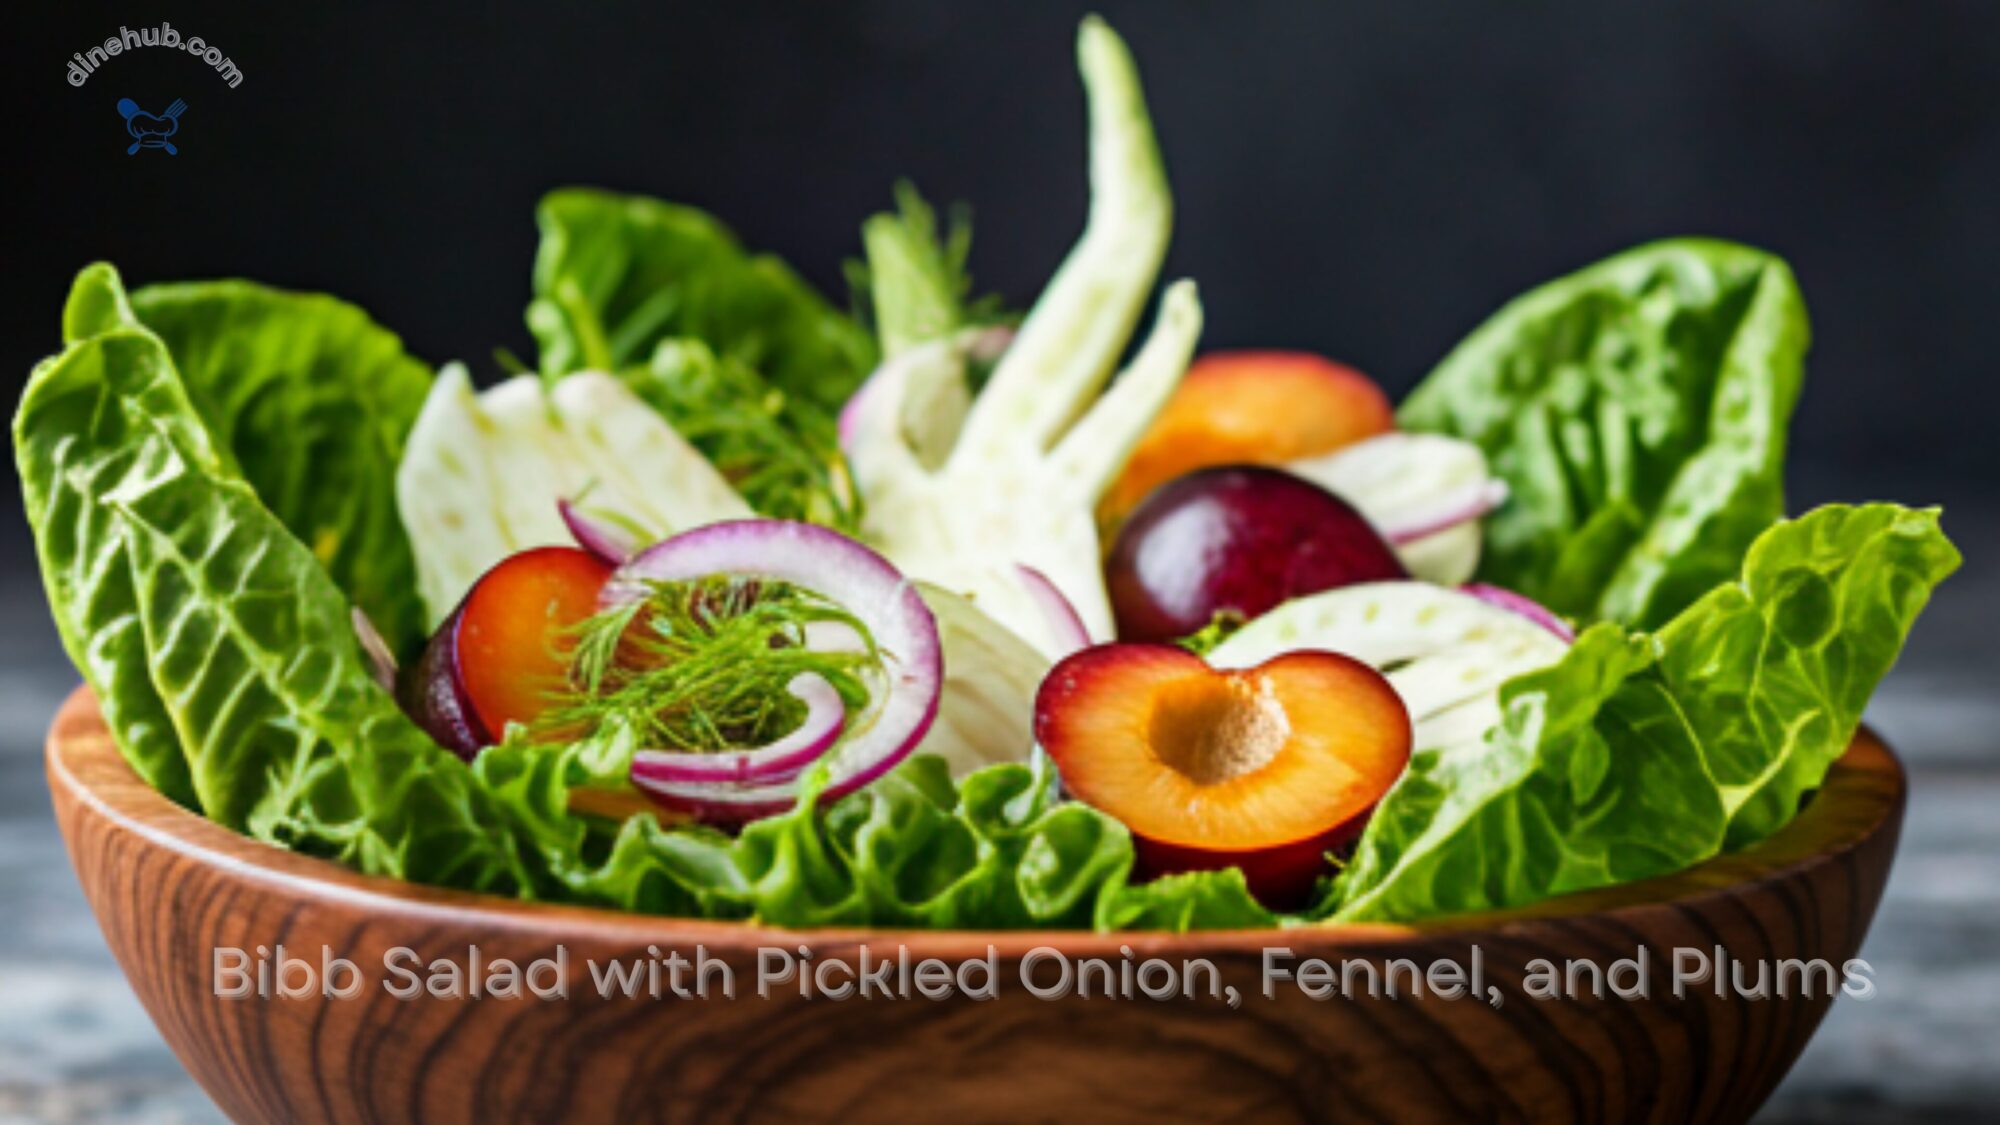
(1367,180)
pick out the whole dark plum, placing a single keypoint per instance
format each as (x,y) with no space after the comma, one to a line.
(1238,538)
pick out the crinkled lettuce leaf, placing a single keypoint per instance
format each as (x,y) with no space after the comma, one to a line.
(996,850)
(743,357)
(1637,410)
(617,274)
(71,450)
(311,402)
(1641,753)
(218,645)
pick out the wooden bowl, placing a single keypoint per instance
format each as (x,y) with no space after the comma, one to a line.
(169,888)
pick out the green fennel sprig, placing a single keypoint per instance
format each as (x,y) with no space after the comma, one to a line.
(703,665)
(779,451)
(912,286)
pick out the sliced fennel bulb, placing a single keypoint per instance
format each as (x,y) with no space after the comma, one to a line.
(482,472)
(986,712)
(965,526)
(1445,652)
(1404,480)
(958,495)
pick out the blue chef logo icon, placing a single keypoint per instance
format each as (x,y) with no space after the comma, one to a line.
(151,130)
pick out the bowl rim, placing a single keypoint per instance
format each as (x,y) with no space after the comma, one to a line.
(89,778)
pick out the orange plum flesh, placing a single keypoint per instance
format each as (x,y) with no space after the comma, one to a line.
(1251,407)
(1265,769)
(513,632)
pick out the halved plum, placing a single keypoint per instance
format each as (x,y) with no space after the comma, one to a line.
(1266,769)
(501,657)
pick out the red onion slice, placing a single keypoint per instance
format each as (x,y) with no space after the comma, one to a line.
(857,404)
(1064,624)
(781,760)
(600,537)
(1522,604)
(899,712)
(1468,503)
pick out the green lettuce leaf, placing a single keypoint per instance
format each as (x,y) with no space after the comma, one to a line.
(70,451)
(1637,410)
(616,274)
(1641,754)
(310,401)
(995,851)
(220,649)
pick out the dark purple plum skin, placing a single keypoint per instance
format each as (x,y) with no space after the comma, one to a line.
(432,692)
(1239,538)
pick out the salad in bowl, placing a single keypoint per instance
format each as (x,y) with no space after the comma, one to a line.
(925,613)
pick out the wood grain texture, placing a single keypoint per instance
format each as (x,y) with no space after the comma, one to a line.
(168,888)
